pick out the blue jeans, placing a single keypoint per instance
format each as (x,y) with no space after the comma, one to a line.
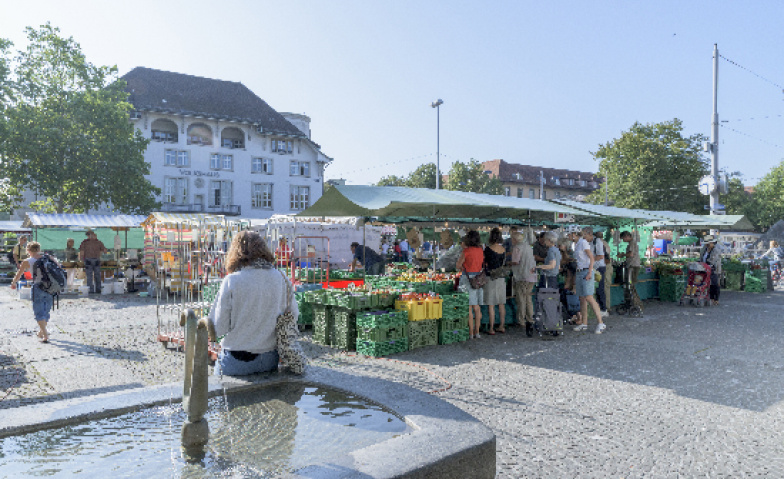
(42,303)
(231,366)
(92,269)
(600,293)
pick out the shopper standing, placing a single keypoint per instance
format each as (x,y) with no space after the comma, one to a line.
(632,263)
(711,254)
(597,248)
(584,281)
(552,262)
(19,251)
(42,301)
(540,248)
(90,252)
(607,274)
(404,256)
(495,289)
(71,254)
(471,262)
(524,278)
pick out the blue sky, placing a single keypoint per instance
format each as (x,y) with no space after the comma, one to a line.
(531,82)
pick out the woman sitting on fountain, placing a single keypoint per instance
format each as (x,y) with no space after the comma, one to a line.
(251,298)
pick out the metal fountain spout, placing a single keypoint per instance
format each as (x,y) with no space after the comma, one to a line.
(195,431)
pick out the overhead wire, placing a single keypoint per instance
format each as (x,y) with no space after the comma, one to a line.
(732,62)
(750,136)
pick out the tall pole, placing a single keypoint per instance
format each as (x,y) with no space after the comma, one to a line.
(541,184)
(606,192)
(437,105)
(714,196)
(438,147)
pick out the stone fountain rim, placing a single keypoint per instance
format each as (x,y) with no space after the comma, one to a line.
(443,437)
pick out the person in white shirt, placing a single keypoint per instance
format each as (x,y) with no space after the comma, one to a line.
(584,281)
(404,256)
(247,306)
(597,248)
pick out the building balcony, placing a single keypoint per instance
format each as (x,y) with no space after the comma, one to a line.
(228,210)
(182,208)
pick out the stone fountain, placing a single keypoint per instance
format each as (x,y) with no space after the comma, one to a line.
(195,393)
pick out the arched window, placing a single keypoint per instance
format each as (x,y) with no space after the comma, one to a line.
(199,134)
(232,138)
(164,130)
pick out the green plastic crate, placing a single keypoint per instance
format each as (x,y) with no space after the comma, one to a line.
(752,284)
(353,301)
(398,331)
(305,313)
(455,300)
(453,336)
(382,348)
(454,312)
(452,324)
(322,324)
(671,287)
(343,334)
(422,333)
(381,319)
(734,280)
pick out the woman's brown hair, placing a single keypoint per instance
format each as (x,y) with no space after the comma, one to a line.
(247,247)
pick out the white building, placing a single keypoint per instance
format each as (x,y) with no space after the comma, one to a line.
(218,148)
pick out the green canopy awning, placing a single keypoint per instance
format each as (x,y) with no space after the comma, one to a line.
(613,215)
(399,204)
(719,222)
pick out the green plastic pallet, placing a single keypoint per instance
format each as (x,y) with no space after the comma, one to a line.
(383,348)
(453,336)
(422,333)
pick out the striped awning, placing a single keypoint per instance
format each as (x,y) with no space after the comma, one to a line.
(42,220)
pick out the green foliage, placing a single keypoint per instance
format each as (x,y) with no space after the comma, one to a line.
(471,177)
(653,167)
(423,177)
(769,197)
(68,137)
(738,201)
(468,176)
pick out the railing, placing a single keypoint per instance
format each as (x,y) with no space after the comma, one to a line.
(231,210)
(182,208)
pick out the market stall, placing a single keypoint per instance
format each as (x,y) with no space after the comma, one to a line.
(103,225)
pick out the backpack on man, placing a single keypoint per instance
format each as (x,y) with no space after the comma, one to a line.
(52,277)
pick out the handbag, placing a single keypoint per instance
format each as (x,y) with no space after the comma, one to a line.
(479,280)
(287,335)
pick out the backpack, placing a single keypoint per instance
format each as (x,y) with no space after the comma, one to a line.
(51,274)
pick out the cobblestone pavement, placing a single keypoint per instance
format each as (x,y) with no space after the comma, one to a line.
(681,392)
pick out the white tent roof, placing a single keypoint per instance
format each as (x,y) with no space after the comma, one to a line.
(81,220)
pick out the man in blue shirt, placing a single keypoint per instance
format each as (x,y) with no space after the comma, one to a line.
(366,256)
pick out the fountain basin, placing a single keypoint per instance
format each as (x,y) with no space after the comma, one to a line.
(437,439)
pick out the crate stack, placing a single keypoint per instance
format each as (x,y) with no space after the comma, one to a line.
(756,281)
(734,280)
(424,312)
(305,309)
(322,324)
(453,325)
(672,287)
(381,333)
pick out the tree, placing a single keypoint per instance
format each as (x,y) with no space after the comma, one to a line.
(769,198)
(423,177)
(653,167)
(68,137)
(738,201)
(471,177)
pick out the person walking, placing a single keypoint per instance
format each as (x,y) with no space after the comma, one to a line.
(597,249)
(371,260)
(584,281)
(245,312)
(607,273)
(42,301)
(471,262)
(90,252)
(495,289)
(711,253)
(552,262)
(524,278)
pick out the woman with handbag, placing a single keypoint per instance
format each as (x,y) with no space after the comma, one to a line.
(495,289)
(255,312)
(471,263)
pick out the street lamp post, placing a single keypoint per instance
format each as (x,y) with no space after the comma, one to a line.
(437,105)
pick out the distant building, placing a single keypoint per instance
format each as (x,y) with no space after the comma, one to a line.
(218,148)
(524,181)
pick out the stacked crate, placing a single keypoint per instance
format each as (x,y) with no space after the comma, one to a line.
(322,324)
(453,325)
(672,287)
(756,281)
(305,309)
(734,280)
(381,333)
(423,316)
(343,333)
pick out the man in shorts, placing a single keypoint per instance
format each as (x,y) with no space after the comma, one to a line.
(584,281)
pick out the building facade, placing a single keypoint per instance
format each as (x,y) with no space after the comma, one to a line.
(536,182)
(218,148)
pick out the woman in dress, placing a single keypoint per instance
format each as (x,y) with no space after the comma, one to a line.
(495,289)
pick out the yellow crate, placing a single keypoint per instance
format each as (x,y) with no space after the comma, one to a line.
(434,307)
(417,310)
